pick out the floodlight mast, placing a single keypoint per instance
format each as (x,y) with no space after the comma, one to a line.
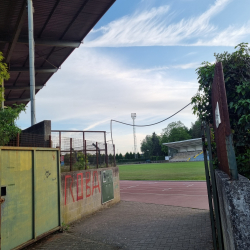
(133,116)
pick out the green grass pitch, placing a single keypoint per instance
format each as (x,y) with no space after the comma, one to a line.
(163,171)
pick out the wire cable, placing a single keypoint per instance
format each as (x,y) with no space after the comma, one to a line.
(124,123)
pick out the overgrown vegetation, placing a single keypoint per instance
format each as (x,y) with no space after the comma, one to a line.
(236,67)
(4,75)
(81,161)
(8,127)
(8,115)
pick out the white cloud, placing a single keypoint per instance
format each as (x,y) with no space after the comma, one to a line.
(187,66)
(93,87)
(231,36)
(95,124)
(154,27)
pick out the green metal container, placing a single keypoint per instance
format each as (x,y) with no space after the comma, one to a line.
(30,188)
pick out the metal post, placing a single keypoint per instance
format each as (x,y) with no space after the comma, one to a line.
(60,138)
(105,137)
(50,142)
(31,62)
(17,140)
(209,191)
(83,139)
(85,152)
(96,154)
(106,155)
(114,155)
(214,190)
(60,144)
(70,156)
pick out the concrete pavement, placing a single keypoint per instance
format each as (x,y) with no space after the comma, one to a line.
(136,225)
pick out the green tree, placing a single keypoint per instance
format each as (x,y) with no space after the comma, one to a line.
(117,157)
(147,146)
(8,115)
(4,75)
(81,162)
(156,150)
(120,156)
(151,146)
(8,127)
(131,155)
(195,130)
(236,68)
(127,156)
(175,131)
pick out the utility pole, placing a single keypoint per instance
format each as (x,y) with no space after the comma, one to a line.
(31,62)
(133,116)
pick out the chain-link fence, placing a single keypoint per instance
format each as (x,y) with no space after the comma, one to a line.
(79,154)
(76,152)
(99,136)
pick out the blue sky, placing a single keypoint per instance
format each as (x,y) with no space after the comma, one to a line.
(141,57)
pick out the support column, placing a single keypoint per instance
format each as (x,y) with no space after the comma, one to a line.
(31,62)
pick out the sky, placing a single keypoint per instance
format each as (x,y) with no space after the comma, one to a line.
(140,58)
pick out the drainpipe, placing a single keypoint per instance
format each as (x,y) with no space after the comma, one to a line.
(31,62)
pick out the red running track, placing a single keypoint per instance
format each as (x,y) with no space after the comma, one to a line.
(175,193)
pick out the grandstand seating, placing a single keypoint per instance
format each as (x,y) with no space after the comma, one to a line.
(183,156)
(200,157)
(188,156)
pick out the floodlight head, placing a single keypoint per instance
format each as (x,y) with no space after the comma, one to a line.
(133,115)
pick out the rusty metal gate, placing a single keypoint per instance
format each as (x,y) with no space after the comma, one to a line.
(212,189)
(29,196)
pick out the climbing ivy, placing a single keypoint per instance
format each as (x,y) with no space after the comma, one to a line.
(4,75)
(8,115)
(236,67)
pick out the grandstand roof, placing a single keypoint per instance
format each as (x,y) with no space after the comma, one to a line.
(186,143)
(59,28)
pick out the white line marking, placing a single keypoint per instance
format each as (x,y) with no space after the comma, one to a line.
(166,194)
(190,185)
(133,186)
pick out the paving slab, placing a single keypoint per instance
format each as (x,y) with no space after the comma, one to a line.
(136,225)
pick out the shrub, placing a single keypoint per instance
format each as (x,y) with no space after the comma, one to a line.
(236,67)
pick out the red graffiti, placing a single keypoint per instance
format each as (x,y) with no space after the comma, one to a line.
(95,173)
(70,188)
(80,197)
(88,179)
(79,190)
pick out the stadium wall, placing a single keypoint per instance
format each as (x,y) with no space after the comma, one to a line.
(81,193)
(234,202)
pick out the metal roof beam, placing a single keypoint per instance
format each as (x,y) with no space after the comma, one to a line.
(17,100)
(38,70)
(53,43)
(50,43)
(21,87)
(18,29)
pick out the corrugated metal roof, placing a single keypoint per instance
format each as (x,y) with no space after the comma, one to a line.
(186,143)
(59,27)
